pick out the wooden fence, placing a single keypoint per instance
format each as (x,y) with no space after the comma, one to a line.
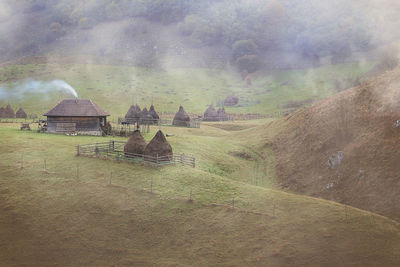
(115,150)
(194,123)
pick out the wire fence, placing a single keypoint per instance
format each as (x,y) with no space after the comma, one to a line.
(272,207)
(115,150)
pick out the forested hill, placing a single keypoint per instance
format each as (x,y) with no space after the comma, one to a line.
(247,34)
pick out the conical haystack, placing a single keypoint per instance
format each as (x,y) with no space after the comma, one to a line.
(135,145)
(21,114)
(133,114)
(231,100)
(181,118)
(210,114)
(145,116)
(154,114)
(9,112)
(2,112)
(222,116)
(159,148)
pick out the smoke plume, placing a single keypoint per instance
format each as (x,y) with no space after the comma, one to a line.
(19,90)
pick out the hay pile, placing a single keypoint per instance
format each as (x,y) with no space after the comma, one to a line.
(145,117)
(231,100)
(210,114)
(159,147)
(181,118)
(133,114)
(21,114)
(9,112)
(222,116)
(154,114)
(2,112)
(135,145)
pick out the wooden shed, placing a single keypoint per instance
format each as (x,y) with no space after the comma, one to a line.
(81,116)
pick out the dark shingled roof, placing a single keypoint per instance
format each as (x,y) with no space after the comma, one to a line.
(77,108)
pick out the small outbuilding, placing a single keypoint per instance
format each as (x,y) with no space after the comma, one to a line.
(81,116)
(159,148)
(21,114)
(135,146)
(231,100)
(181,118)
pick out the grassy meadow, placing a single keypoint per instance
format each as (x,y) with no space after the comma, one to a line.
(55,216)
(116,87)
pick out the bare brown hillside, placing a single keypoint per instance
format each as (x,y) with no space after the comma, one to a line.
(346,148)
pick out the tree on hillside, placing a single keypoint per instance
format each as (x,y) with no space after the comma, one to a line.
(242,48)
(244,55)
(248,64)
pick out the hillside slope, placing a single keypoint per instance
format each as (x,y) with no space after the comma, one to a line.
(355,131)
(54,217)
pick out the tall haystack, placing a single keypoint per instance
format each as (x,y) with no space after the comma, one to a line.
(231,100)
(181,118)
(211,114)
(159,148)
(135,145)
(21,114)
(9,112)
(154,114)
(133,114)
(222,116)
(145,116)
(2,112)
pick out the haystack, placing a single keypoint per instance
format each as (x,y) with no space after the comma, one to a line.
(181,118)
(231,100)
(9,112)
(222,116)
(21,114)
(133,114)
(2,112)
(154,114)
(159,148)
(145,116)
(211,114)
(135,145)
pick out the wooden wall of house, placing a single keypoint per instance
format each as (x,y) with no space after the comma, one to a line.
(56,124)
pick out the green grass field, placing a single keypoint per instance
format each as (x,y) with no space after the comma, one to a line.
(115,87)
(56,217)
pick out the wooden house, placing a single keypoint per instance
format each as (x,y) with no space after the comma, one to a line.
(80,116)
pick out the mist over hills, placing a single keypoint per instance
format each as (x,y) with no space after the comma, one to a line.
(246,35)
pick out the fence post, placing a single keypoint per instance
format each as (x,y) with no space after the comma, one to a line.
(78,150)
(77,171)
(194,163)
(157,159)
